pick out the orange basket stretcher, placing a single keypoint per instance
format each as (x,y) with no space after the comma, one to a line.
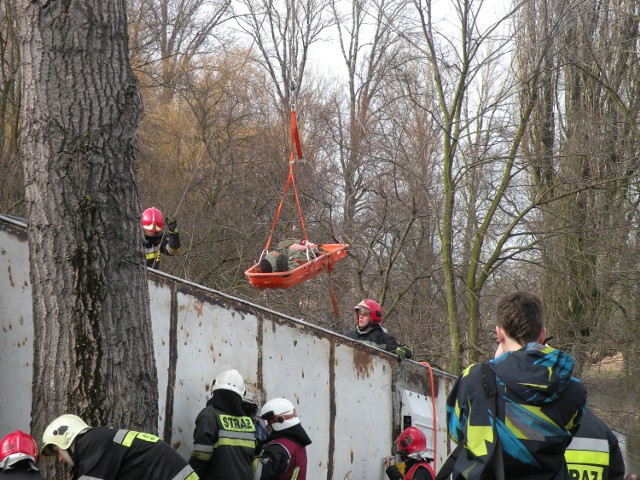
(329,254)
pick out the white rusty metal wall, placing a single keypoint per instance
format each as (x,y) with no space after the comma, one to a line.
(348,395)
(16,336)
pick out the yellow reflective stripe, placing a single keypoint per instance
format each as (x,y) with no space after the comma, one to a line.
(186,473)
(237,424)
(295,473)
(586,457)
(201,456)
(235,442)
(131,435)
(128,439)
(193,476)
(585,471)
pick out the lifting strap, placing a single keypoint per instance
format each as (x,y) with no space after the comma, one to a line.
(491,393)
(295,152)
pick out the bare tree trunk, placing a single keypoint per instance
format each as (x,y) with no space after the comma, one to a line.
(93,348)
(12,192)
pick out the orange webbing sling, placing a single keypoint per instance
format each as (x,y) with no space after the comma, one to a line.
(296,150)
(328,255)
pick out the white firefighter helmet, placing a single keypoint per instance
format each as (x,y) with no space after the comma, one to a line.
(230,380)
(280,413)
(61,433)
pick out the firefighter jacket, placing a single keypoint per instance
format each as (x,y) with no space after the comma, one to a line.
(105,453)
(224,439)
(18,472)
(415,470)
(377,336)
(284,457)
(539,406)
(168,244)
(594,453)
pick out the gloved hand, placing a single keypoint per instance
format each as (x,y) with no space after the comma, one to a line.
(401,352)
(172,225)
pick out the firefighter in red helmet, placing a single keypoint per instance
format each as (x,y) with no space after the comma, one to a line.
(369,329)
(19,456)
(411,445)
(156,239)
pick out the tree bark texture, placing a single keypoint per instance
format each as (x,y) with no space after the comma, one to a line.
(93,348)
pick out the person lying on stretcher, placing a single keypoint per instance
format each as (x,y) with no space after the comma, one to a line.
(288,254)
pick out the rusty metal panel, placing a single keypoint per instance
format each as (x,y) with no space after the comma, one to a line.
(364,406)
(160,305)
(16,340)
(349,395)
(211,337)
(296,365)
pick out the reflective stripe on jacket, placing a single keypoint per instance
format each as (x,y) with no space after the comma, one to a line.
(224,445)
(105,453)
(594,452)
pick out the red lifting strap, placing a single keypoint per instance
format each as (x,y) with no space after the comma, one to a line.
(294,150)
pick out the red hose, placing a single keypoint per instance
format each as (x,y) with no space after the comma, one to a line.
(433,405)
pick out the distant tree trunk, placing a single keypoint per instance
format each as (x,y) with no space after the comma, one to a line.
(12,191)
(93,349)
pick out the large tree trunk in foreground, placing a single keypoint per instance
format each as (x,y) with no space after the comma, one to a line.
(93,349)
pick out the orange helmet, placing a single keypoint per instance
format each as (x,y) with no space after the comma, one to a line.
(152,222)
(15,447)
(411,440)
(373,307)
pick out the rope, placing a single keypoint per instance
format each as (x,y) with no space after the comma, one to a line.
(295,150)
(433,407)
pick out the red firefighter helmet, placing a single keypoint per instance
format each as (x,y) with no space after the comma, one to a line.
(374,308)
(411,440)
(15,447)
(152,222)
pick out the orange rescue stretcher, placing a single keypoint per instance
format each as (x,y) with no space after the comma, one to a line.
(328,255)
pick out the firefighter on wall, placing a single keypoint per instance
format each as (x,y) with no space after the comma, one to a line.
(284,457)
(369,330)
(156,239)
(112,454)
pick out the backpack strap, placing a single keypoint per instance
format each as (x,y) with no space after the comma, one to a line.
(491,393)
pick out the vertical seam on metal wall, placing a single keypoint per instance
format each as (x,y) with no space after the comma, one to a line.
(173,360)
(260,340)
(332,409)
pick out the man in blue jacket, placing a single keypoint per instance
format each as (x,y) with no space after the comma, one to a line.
(537,409)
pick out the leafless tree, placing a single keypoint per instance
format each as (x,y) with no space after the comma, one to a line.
(12,195)
(167,35)
(93,350)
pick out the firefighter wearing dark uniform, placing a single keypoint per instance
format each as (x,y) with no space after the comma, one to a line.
(284,457)
(411,445)
(105,453)
(369,330)
(18,457)
(594,452)
(224,439)
(156,240)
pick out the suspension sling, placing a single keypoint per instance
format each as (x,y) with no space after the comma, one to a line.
(326,257)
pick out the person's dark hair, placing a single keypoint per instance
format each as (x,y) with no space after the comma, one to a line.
(520,315)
